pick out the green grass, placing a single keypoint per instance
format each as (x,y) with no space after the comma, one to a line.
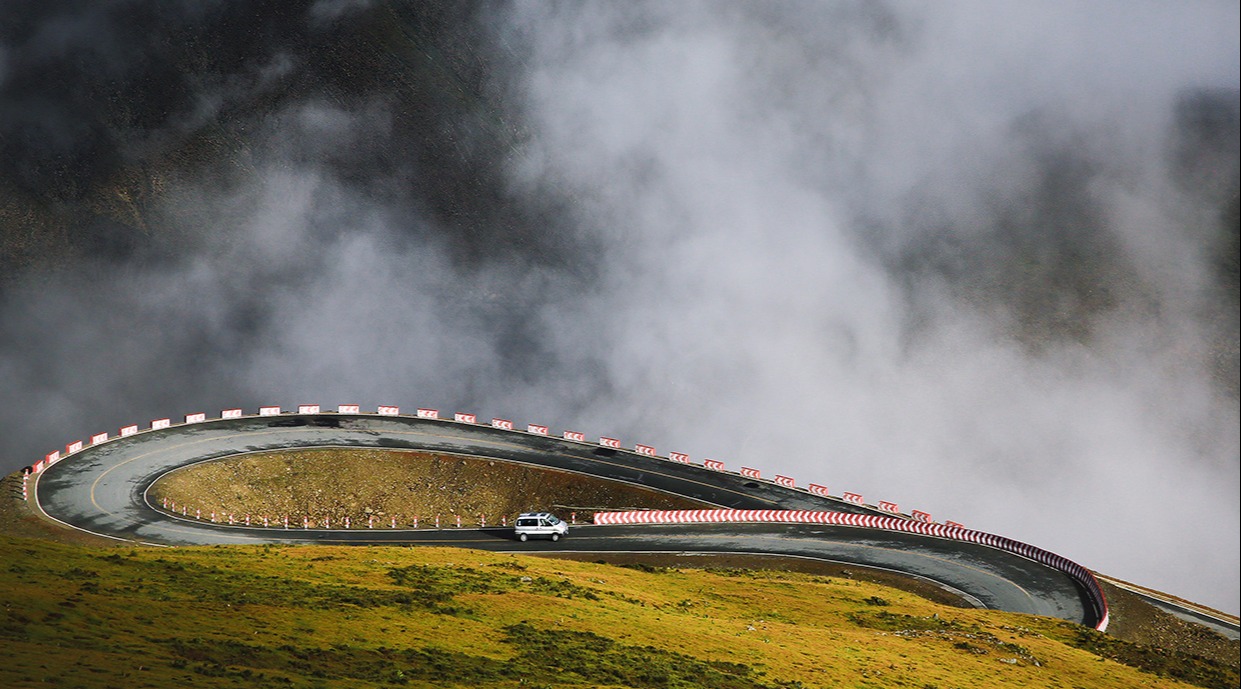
(291,616)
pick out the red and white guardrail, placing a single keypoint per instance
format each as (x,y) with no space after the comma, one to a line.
(469,418)
(871,521)
(461,417)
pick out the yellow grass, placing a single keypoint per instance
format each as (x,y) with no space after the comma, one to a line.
(97,618)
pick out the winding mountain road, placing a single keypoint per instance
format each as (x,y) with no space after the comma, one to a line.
(102,489)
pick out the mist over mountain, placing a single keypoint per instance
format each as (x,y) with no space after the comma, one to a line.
(979,260)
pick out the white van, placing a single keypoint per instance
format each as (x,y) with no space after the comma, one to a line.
(540,524)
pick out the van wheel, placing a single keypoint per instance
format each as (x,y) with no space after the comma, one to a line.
(555,537)
(523,538)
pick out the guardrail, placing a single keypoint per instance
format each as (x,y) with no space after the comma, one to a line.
(464,418)
(1079,574)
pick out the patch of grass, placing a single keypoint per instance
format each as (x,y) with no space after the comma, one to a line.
(649,569)
(1184,667)
(597,659)
(418,617)
(892,622)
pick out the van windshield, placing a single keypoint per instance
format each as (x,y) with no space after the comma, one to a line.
(553,521)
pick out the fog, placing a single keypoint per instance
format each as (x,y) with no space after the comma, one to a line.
(960,256)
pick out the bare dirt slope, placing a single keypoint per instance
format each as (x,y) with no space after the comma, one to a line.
(332,484)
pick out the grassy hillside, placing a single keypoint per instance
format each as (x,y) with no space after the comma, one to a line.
(422,617)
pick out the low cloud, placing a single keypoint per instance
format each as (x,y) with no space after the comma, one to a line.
(943,255)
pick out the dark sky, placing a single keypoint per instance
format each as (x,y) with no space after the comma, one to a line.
(978,259)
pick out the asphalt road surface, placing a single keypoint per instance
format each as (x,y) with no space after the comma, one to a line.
(102,489)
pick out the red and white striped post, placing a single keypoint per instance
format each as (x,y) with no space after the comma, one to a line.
(198,514)
(247,520)
(504,520)
(458,521)
(482,521)
(286,522)
(415,522)
(437,521)
(370,522)
(346,522)
(394,522)
(305,522)
(573,517)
